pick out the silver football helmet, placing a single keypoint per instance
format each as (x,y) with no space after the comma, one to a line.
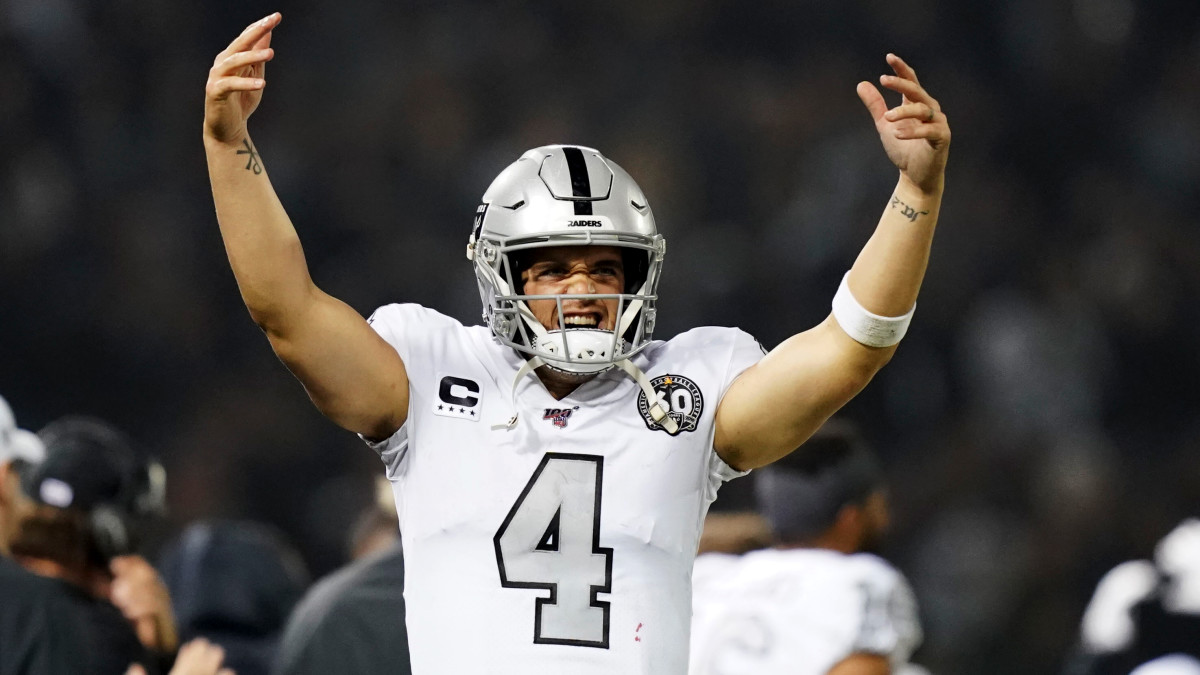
(565,195)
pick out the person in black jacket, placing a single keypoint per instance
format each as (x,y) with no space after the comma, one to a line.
(234,583)
(39,631)
(92,495)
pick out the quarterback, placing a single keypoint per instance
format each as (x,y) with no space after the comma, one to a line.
(552,466)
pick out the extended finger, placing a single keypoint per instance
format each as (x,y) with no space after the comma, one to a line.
(871,98)
(254,32)
(221,89)
(916,111)
(902,68)
(938,131)
(240,60)
(912,91)
(264,41)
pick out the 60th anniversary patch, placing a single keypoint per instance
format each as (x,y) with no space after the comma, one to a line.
(680,396)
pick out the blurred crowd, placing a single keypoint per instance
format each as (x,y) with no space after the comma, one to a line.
(1037,425)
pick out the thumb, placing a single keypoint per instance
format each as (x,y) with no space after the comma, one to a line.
(136,669)
(872,99)
(146,629)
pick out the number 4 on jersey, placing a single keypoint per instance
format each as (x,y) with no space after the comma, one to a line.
(551,540)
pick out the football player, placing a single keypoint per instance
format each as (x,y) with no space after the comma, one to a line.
(552,466)
(1145,610)
(817,602)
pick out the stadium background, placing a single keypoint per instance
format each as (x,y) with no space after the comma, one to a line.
(1038,422)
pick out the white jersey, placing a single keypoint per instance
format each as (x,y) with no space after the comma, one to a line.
(1149,608)
(564,544)
(798,611)
(1174,664)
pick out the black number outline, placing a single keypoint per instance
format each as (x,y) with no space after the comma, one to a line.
(604,605)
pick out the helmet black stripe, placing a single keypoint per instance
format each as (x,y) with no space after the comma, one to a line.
(581,185)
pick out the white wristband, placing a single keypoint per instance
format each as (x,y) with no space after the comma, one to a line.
(866,328)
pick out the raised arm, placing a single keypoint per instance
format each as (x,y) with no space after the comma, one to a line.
(350,373)
(821,369)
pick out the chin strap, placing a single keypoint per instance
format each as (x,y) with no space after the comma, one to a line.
(631,311)
(530,365)
(656,408)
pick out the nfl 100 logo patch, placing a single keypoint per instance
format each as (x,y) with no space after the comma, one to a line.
(559,416)
(679,396)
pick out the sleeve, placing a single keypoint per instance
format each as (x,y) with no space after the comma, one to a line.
(1108,623)
(1177,557)
(308,656)
(414,332)
(352,622)
(743,352)
(309,644)
(889,623)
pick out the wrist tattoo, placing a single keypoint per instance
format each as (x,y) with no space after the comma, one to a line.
(252,163)
(906,210)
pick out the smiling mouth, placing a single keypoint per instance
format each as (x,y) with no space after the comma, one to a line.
(574,321)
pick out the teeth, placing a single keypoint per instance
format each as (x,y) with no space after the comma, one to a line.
(589,321)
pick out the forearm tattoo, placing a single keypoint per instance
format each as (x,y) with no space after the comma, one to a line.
(905,210)
(252,163)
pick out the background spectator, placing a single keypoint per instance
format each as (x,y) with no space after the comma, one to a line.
(353,620)
(234,583)
(40,632)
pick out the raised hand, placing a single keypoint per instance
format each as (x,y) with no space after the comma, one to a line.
(235,82)
(198,657)
(915,134)
(140,594)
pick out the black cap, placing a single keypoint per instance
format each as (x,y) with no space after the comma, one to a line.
(88,463)
(802,494)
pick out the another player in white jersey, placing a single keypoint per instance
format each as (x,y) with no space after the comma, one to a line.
(552,467)
(817,603)
(1144,610)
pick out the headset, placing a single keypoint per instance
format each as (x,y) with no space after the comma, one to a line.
(92,467)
